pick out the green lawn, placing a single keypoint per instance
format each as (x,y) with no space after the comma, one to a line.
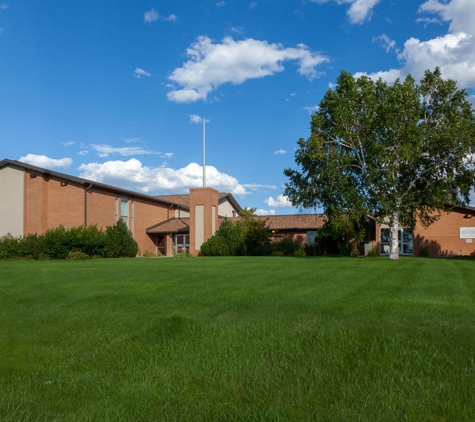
(273,338)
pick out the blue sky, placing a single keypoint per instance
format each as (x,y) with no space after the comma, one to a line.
(115,91)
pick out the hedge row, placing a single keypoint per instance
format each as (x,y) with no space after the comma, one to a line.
(74,243)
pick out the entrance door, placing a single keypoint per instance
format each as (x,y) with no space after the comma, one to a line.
(182,243)
(405,242)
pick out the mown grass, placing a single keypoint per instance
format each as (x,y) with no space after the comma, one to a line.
(271,338)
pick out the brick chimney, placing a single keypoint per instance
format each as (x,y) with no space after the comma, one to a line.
(203,216)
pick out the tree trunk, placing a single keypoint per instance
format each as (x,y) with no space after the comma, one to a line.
(394,253)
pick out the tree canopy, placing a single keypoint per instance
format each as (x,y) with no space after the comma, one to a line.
(401,152)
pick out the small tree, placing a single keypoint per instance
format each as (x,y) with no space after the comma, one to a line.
(403,152)
(256,232)
(119,241)
(234,236)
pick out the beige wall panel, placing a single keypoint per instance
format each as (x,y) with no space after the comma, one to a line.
(225,209)
(200,226)
(11,202)
(213,220)
(181,214)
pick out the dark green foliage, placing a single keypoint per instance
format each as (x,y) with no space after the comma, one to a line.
(215,246)
(402,151)
(286,246)
(57,243)
(119,241)
(11,247)
(341,234)
(256,232)
(60,243)
(248,235)
(234,236)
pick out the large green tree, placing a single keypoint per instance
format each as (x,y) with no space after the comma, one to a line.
(400,153)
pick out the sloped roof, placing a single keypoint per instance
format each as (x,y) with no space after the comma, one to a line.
(291,222)
(274,222)
(172,225)
(85,182)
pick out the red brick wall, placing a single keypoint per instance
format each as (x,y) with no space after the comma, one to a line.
(146,214)
(35,215)
(100,208)
(47,204)
(300,237)
(443,237)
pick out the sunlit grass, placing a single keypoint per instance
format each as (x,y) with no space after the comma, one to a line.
(270,338)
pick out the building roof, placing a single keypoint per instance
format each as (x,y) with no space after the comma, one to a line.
(172,225)
(275,222)
(85,182)
(291,222)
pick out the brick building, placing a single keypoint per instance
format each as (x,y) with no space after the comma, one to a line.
(34,199)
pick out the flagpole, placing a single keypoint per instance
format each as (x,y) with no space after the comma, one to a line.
(204,152)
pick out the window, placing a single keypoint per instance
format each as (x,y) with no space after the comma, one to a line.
(182,243)
(124,210)
(311,237)
(405,242)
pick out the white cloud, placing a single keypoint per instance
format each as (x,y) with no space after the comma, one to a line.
(167,155)
(83,152)
(133,175)
(359,11)
(280,151)
(68,143)
(453,52)
(3,6)
(460,14)
(140,72)
(131,140)
(220,3)
(257,186)
(260,211)
(1,30)
(171,18)
(280,202)
(252,5)
(212,65)
(106,150)
(389,75)
(46,162)
(150,16)
(194,118)
(386,42)
(312,109)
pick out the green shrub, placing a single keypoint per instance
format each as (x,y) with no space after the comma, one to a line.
(77,255)
(233,234)
(311,250)
(277,253)
(287,246)
(119,241)
(12,247)
(215,246)
(149,254)
(33,245)
(299,252)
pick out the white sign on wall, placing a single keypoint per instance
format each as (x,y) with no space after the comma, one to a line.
(467,232)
